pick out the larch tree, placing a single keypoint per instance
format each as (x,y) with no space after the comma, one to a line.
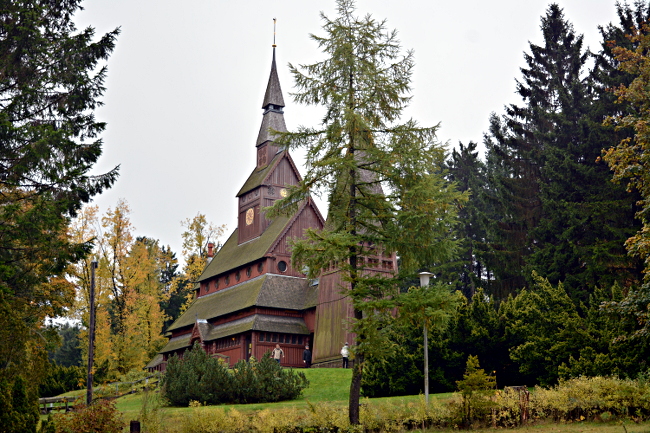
(130,290)
(51,81)
(384,179)
(198,234)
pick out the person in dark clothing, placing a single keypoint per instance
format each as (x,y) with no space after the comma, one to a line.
(306,357)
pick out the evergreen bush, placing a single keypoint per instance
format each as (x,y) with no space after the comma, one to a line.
(201,378)
(61,379)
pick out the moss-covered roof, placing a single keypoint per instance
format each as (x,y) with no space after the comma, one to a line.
(225,301)
(177,343)
(273,291)
(258,322)
(259,174)
(155,361)
(232,255)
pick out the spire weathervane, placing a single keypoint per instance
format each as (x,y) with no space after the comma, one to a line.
(274,20)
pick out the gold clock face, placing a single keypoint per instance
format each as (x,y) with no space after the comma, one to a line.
(250,214)
(283,192)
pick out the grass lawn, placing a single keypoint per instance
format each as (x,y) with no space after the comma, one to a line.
(332,385)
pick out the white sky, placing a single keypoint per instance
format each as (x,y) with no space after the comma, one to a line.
(186,82)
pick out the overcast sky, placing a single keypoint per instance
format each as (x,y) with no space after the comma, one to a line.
(186,82)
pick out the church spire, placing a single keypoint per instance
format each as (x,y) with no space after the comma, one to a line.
(273,97)
(273,115)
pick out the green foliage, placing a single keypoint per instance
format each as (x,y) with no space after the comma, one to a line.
(400,372)
(100,417)
(545,330)
(51,81)
(384,179)
(433,306)
(476,387)
(202,378)
(19,405)
(588,398)
(61,379)
(69,352)
(552,207)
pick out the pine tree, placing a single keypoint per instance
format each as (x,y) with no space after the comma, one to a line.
(384,179)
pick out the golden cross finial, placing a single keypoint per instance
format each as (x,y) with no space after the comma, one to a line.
(274,20)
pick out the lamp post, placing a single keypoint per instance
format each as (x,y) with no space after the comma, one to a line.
(91,334)
(424,282)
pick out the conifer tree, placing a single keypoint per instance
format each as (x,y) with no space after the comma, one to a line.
(51,79)
(629,161)
(468,171)
(518,143)
(560,214)
(384,179)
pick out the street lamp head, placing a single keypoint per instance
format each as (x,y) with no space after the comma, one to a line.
(424,278)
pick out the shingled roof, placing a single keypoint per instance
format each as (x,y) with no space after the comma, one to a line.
(177,343)
(273,93)
(259,322)
(259,174)
(232,255)
(268,290)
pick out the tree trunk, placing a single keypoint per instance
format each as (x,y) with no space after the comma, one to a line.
(355,385)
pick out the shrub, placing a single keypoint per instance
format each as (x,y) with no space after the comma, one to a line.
(476,388)
(588,398)
(199,377)
(100,417)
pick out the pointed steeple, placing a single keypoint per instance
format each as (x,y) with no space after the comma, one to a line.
(273,95)
(273,115)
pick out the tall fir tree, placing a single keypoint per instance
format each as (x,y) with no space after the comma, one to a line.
(384,179)
(471,270)
(51,81)
(559,213)
(629,161)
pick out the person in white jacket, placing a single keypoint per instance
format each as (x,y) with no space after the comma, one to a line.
(345,353)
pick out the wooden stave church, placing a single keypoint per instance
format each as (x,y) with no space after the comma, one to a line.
(249,298)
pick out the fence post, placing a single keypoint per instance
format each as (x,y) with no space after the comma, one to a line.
(135,427)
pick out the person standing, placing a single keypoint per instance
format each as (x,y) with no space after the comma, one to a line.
(306,357)
(345,353)
(277,353)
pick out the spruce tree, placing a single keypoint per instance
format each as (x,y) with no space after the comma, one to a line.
(51,80)
(468,171)
(384,179)
(629,162)
(560,215)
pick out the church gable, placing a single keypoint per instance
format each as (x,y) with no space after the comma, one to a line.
(307,217)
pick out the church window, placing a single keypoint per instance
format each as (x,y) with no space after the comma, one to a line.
(227,280)
(248,271)
(282,266)
(260,267)
(216,283)
(293,339)
(237,275)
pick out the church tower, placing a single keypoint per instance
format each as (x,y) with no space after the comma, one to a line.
(274,170)
(250,297)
